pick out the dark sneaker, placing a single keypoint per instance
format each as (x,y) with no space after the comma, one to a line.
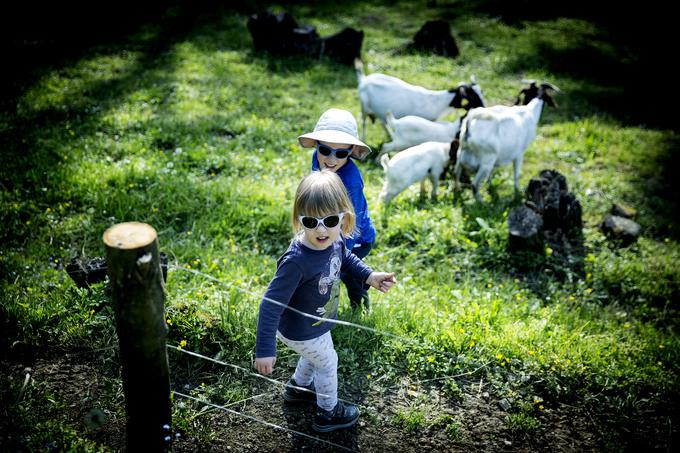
(342,416)
(293,395)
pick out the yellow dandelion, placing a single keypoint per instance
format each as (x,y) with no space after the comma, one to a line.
(461,330)
(168,321)
(499,356)
(540,407)
(531,352)
(182,344)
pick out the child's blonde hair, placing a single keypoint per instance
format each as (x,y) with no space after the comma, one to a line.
(322,193)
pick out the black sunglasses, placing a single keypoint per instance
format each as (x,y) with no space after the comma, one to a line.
(340,153)
(330,221)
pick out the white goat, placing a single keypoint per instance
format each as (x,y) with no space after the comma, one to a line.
(413,130)
(418,163)
(380,94)
(495,136)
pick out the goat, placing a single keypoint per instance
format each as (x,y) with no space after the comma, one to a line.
(418,163)
(413,130)
(380,93)
(494,136)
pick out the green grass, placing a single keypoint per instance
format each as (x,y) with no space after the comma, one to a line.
(199,140)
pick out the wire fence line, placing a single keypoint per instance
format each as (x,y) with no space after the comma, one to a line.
(412,341)
(251,373)
(274,381)
(248,372)
(263,422)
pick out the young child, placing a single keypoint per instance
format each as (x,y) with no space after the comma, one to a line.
(307,280)
(334,141)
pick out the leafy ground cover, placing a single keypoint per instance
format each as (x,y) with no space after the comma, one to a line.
(180,124)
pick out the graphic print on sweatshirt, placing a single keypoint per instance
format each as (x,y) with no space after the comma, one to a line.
(330,281)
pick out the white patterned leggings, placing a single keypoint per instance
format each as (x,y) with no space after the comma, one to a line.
(318,363)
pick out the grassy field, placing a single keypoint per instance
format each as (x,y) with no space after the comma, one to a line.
(194,133)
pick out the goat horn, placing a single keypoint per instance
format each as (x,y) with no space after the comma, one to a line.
(551,86)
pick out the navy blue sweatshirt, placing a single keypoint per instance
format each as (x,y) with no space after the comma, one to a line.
(309,281)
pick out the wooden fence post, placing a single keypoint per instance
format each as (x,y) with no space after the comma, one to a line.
(134,271)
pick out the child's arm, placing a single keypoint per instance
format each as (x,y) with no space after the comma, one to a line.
(382,281)
(280,290)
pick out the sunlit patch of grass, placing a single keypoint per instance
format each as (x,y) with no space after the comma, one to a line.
(200,142)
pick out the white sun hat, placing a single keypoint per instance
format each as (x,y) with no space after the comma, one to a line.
(336,126)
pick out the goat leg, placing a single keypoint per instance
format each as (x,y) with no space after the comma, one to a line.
(482,173)
(517,166)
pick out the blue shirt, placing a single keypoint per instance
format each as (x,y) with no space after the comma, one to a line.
(307,280)
(354,183)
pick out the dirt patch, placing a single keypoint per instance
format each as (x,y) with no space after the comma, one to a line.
(472,422)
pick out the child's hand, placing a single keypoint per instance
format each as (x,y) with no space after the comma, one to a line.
(382,281)
(265,365)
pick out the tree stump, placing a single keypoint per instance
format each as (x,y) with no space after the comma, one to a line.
(549,199)
(435,36)
(344,46)
(550,196)
(137,289)
(281,34)
(524,225)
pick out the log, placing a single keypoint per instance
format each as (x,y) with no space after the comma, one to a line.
(137,291)
(525,226)
(88,271)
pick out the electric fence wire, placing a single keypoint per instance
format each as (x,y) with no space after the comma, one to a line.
(274,381)
(263,422)
(250,373)
(412,341)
